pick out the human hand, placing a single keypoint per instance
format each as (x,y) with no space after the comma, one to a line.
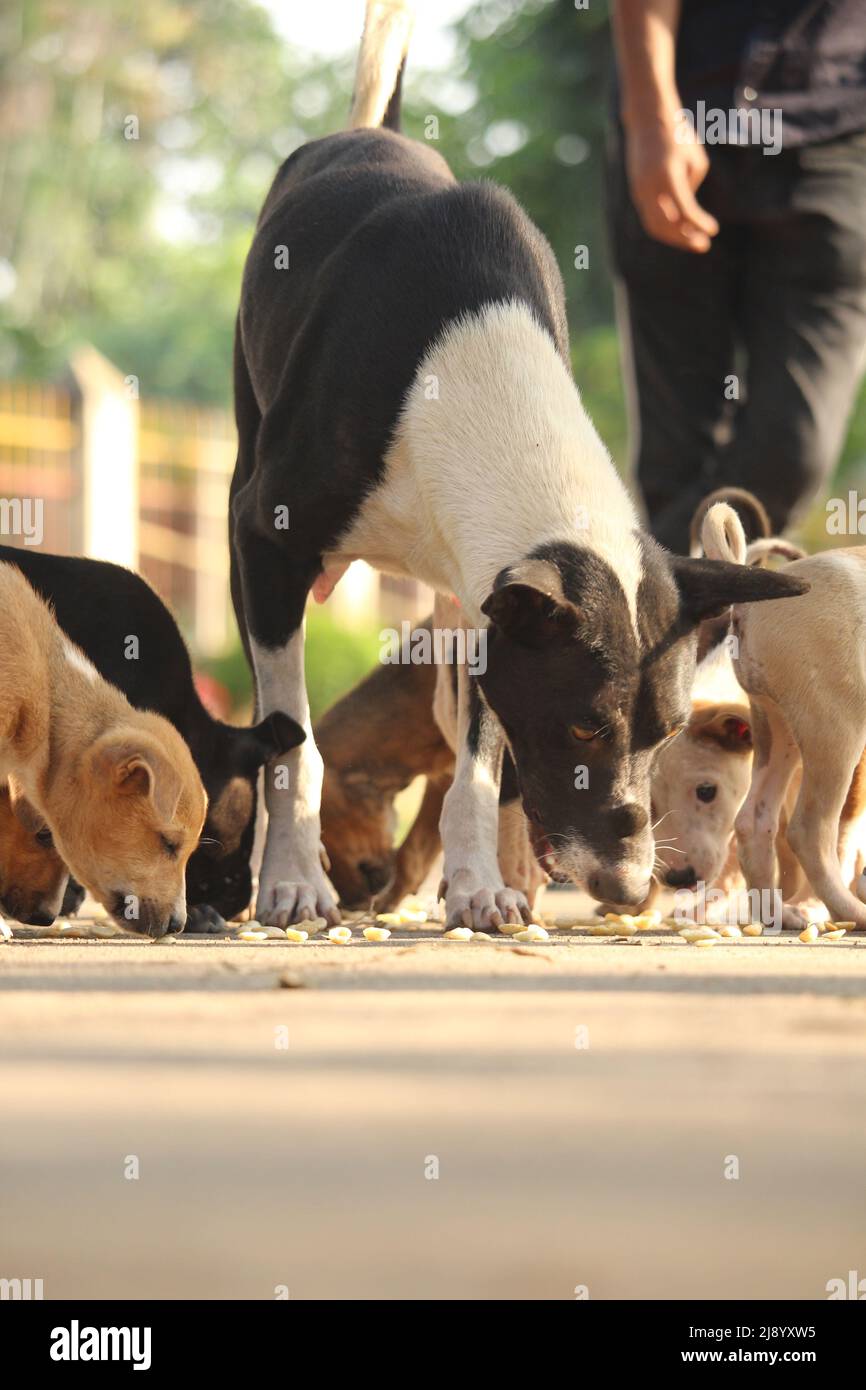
(665,164)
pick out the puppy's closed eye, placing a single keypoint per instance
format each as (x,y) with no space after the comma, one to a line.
(171,847)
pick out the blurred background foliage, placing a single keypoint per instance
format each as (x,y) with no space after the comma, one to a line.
(137,142)
(137,244)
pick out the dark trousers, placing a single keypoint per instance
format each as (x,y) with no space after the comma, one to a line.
(745,361)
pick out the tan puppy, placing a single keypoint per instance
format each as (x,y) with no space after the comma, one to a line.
(805,673)
(375,741)
(116,787)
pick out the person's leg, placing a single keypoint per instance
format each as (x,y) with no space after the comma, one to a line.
(803,323)
(674,311)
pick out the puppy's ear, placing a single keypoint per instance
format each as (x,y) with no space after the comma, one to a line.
(277,733)
(708,587)
(529,606)
(724,727)
(133,767)
(229,814)
(25,812)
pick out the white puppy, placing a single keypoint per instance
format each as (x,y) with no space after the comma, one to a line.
(804,668)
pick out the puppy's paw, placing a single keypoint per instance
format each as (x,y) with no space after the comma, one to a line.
(288,901)
(72,898)
(203,920)
(795,918)
(485,909)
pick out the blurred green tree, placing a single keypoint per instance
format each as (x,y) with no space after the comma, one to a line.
(136,141)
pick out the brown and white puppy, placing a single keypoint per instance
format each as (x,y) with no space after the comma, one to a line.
(701,778)
(116,787)
(375,741)
(806,681)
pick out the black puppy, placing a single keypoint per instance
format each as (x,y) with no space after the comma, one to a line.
(133,641)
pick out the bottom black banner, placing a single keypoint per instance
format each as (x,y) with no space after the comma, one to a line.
(66,1338)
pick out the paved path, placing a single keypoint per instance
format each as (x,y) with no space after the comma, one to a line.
(599,1164)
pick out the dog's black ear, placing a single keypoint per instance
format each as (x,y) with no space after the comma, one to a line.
(528,616)
(708,587)
(529,606)
(277,733)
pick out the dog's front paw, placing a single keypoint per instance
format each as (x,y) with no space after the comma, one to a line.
(483,909)
(203,920)
(72,898)
(290,900)
(795,918)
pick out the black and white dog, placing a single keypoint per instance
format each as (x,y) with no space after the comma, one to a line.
(403,395)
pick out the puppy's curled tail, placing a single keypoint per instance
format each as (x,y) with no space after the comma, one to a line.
(759,552)
(722,535)
(381,60)
(750,509)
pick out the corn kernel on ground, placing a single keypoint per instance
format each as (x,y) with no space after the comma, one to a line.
(532,933)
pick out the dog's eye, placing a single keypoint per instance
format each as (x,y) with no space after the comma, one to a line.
(582,734)
(672,733)
(44,837)
(706,791)
(170,846)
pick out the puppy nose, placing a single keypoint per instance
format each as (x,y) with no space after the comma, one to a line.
(40,919)
(681,878)
(609,886)
(628,820)
(176,924)
(376,874)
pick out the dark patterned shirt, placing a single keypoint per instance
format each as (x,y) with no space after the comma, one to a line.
(805,58)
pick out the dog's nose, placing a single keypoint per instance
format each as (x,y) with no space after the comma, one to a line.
(40,919)
(610,886)
(376,874)
(628,820)
(681,878)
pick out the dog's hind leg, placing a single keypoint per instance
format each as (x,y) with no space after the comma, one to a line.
(851,826)
(831,754)
(757,823)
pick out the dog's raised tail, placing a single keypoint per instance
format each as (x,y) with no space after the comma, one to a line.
(749,508)
(381,60)
(722,535)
